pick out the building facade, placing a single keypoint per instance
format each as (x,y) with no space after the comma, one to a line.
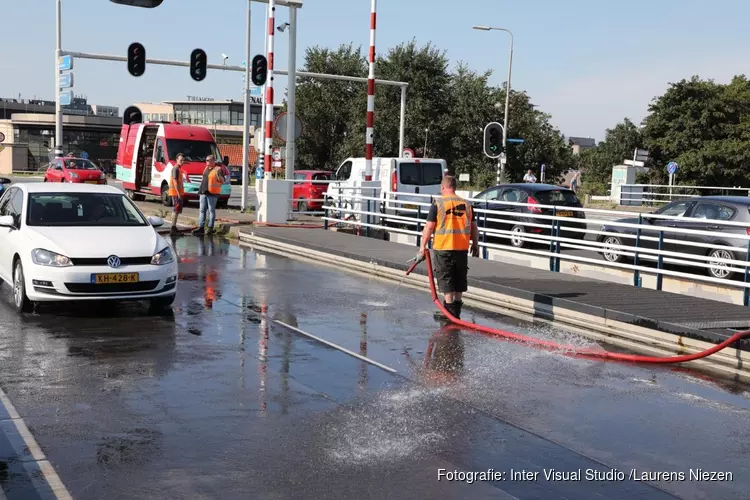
(27,127)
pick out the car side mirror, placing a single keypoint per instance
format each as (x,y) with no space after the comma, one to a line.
(156,221)
(7,221)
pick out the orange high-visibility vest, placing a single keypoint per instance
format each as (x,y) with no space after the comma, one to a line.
(453,228)
(214,184)
(176,188)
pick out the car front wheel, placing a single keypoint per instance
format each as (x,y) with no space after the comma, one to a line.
(21,302)
(160,304)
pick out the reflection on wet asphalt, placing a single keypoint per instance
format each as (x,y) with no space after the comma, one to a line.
(214,401)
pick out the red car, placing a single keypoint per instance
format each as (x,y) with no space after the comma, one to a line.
(308,196)
(75,170)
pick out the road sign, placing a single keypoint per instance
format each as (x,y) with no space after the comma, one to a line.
(672,167)
(66,80)
(464,177)
(516,141)
(65,63)
(408,153)
(259,173)
(280,125)
(276,155)
(634,163)
(66,98)
(641,155)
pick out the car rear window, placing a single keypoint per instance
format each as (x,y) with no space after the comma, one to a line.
(556,196)
(421,174)
(322,177)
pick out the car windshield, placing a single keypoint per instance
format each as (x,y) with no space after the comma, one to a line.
(82,209)
(80,165)
(556,196)
(192,150)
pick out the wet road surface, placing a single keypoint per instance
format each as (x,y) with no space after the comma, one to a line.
(214,401)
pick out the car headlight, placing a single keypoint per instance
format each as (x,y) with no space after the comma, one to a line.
(166,256)
(73,175)
(43,257)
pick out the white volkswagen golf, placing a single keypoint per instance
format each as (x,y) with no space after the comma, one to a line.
(63,242)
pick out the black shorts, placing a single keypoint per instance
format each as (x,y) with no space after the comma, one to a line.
(451,270)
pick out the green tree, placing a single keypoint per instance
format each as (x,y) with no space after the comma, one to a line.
(705,128)
(326,107)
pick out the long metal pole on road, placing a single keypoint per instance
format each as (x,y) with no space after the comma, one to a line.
(246,119)
(291,122)
(502,162)
(58,107)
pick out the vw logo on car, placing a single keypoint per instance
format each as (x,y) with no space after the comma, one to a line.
(113,261)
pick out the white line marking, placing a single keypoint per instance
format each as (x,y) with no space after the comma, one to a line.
(335,346)
(54,481)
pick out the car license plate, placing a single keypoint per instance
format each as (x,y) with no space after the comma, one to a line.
(103,279)
(92,182)
(565,214)
(410,207)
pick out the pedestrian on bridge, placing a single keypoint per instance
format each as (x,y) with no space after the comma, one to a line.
(176,190)
(453,222)
(210,190)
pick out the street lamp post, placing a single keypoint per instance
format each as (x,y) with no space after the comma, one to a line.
(246,113)
(501,164)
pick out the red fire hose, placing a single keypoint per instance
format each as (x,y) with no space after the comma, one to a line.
(571,350)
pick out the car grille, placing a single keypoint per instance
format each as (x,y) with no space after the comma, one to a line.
(195,179)
(142,286)
(124,261)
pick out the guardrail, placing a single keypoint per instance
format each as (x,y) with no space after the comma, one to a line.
(655,194)
(720,254)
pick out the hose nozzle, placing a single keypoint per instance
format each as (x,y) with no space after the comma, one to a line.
(417,259)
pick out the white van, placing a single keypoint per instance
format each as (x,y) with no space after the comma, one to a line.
(398,178)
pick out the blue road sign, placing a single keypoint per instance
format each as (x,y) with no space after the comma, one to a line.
(672,167)
(65,63)
(259,173)
(66,80)
(516,141)
(85,155)
(66,98)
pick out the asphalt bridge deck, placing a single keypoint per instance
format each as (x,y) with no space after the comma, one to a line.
(679,314)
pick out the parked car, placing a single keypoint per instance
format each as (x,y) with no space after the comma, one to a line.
(705,214)
(81,243)
(74,170)
(306,192)
(531,194)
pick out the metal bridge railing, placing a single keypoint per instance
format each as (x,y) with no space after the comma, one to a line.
(646,239)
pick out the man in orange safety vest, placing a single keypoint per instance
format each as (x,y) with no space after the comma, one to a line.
(176,190)
(210,189)
(453,222)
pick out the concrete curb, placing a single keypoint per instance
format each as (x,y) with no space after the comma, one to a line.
(611,327)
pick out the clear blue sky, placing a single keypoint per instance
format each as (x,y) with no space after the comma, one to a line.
(589,63)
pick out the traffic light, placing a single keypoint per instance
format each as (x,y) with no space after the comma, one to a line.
(136,59)
(259,70)
(132,115)
(198,64)
(493,140)
(149,4)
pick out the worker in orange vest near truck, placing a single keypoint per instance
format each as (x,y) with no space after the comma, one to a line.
(210,189)
(453,222)
(176,190)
